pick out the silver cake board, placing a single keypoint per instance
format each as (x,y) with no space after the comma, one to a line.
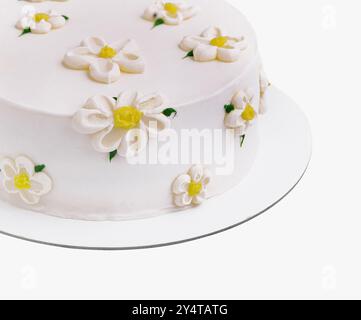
(284,154)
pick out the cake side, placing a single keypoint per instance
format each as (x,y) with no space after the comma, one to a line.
(81,92)
(87,186)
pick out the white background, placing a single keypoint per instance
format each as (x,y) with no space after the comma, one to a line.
(308,246)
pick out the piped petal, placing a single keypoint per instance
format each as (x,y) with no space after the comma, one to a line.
(90,121)
(42,27)
(196,173)
(23,163)
(94,44)
(129,46)
(57,21)
(29,198)
(154,11)
(25,22)
(156,123)
(119,45)
(207,178)
(199,199)
(181,184)
(105,71)
(104,104)
(182,200)
(41,184)
(228,55)
(8,168)
(133,143)
(108,139)
(151,103)
(212,32)
(238,43)
(79,58)
(9,186)
(204,53)
(240,100)
(173,20)
(129,62)
(127,98)
(189,11)
(191,42)
(264,85)
(234,120)
(29,11)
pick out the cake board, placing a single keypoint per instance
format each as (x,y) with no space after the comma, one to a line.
(284,154)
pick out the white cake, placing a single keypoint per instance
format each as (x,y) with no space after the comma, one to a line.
(78,78)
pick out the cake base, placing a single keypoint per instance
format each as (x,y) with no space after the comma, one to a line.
(284,154)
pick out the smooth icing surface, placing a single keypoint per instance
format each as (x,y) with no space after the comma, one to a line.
(32,74)
(59,116)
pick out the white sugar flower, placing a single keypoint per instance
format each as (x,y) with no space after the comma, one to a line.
(122,125)
(241,113)
(171,12)
(40,22)
(191,188)
(264,85)
(22,177)
(214,44)
(105,62)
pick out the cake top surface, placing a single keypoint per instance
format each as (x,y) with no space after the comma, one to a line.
(33,76)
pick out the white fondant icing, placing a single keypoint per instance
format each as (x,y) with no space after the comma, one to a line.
(50,20)
(38,79)
(123,57)
(39,97)
(182,195)
(175,15)
(98,119)
(36,184)
(226,49)
(234,119)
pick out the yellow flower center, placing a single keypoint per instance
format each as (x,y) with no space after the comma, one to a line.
(41,16)
(171,8)
(107,52)
(127,118)
(219,42)
(249,113)
(22,181)
(195,188)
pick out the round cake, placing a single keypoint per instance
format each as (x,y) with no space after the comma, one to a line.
(125,109)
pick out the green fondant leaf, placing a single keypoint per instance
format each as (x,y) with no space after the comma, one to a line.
(190,54)
(66,18)
(229,108)
(242,140)
(158,22)
(115,98)
(39,168)
(25,31)
(112,155)
(169,112)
